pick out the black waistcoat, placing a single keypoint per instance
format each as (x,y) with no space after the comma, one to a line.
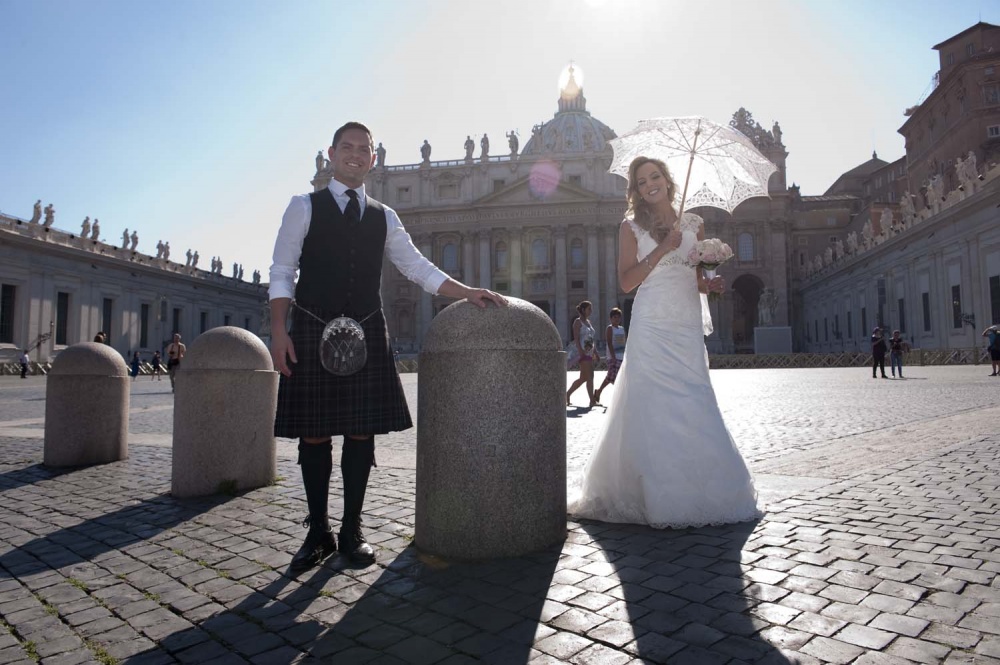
(340,269)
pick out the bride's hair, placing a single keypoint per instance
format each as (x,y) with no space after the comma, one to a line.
(637,208)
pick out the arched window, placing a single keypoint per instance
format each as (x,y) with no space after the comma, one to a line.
(576,258)
(449,257)
(539,253)
(500,254)
(745,247)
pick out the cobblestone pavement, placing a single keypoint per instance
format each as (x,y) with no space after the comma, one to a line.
(881,544)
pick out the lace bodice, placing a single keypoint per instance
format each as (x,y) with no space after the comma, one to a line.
(645,243)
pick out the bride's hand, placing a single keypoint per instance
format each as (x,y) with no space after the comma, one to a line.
(672,241)
(717,285)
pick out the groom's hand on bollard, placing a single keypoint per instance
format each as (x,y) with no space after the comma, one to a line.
(478,297)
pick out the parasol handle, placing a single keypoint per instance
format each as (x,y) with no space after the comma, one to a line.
(687,178)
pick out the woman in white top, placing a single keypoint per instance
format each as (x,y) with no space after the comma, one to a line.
(586,350)
(664,456)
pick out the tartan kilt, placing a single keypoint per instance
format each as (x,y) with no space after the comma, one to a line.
(315,403)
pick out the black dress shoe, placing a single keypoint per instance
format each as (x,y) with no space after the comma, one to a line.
(319,544)
(354,546)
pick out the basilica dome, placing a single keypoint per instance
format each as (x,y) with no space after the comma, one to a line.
(573,130)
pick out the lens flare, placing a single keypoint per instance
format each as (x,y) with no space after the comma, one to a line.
(572,70)
(544,178)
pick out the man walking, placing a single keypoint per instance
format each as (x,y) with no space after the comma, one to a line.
(24,360)
(336,239)
(175,353)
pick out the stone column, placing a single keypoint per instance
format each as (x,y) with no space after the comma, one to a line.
(468,259)
(610,268)
(976,289)
(562,325)
(516,269)
(426,244)
(594,281)
(485,275)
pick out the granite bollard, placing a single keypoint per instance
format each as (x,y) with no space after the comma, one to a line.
(226,395)
(86,407)
(491,433)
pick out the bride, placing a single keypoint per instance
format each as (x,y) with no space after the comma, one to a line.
(664,456)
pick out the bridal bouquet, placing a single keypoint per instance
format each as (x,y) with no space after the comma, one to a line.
(709,254)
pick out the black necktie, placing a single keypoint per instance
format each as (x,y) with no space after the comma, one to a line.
(353,210)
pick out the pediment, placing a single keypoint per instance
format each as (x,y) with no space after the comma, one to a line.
(520,192)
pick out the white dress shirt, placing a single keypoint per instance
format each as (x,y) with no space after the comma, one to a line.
(295,225)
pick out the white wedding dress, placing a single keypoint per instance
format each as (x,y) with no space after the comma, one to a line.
(664,456)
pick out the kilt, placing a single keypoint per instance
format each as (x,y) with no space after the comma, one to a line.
(314,403)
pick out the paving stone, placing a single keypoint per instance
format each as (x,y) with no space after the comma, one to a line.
(864,636)
(617,633)
(782,636)
(816,624)
(563,645)
(951,635)
(832,651)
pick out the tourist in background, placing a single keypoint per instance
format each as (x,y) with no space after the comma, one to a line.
(584,337)
(614,338)
(135,365)
(992,335)
(175,353)
(897,347)
(24,360)
(157,369)
(878,352)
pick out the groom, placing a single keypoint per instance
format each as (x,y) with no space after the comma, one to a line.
(336,239)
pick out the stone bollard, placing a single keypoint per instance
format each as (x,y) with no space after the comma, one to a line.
(491,433)
(224,405)
(86,407)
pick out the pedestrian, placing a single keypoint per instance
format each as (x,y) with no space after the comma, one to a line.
(100,337)
(614,338)
(157,370)
(135,365)
(175,353)
(24,360)
(336,239)
(584,339)
(878,352)
(897,347)
(993,345)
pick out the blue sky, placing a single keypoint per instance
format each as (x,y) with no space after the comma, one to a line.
(195,121)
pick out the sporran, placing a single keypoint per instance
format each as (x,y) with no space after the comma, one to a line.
(342,350)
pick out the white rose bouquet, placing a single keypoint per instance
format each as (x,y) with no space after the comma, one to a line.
(708,255)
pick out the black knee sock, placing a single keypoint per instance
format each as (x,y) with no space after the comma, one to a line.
(316,461)
(356,461)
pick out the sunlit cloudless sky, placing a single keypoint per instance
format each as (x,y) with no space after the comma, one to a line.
(194,122)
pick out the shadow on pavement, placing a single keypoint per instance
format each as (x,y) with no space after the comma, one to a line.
(408,608)
(683,593)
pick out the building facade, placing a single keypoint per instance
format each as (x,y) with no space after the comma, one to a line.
(914,245)
(542,222)
(59,289)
